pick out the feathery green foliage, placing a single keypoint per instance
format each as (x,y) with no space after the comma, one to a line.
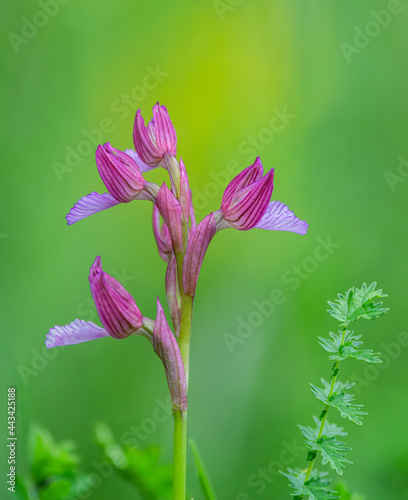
(316,487)
(138,466)
(355,304)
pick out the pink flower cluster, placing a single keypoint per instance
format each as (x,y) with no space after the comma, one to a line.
(181,243)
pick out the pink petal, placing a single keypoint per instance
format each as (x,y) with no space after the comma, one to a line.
(173,294)
(144,145)
(278,217)
(162,236)
(165,133)
(89,205)
(119,172)
(76,332)
(247,176)
(117,309)
(249,203)
(185,193)
(170,210)
(166,347)
(196,250)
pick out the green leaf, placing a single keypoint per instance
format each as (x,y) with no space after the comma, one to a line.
(347,348)
(358,303)
(344,403)
(203,477)
(340,400)
(332,451)
(316,488)
(50,459)
(139,467)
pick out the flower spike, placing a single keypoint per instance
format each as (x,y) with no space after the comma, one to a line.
(155,140)
(196,249)
(166,347)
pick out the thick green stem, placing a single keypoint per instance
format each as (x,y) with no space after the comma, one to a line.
(326,409)
(179,455)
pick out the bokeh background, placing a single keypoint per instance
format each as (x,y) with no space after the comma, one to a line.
(225,70)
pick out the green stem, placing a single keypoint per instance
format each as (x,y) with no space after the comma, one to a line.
(326,409)
(179,455)
(180,417)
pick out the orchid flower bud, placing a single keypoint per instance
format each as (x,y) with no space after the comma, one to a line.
(196,249)
(170,209)
(166,347)
(245,204)
(117,309)
(155,140)
(162,236)
(173,294)
(119,172)
(246,199)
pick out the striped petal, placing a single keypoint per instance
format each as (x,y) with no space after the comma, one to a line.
(89,205)
(166,347)
(117,309)
(278,217)
(165,133)
(170,210)
(144,145)
(247,176)
(249,203)
(196,249)
(76,332)
(119,172)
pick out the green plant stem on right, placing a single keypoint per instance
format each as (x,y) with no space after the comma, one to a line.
(323,420)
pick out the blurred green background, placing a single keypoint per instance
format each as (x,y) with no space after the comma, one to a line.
(224,70)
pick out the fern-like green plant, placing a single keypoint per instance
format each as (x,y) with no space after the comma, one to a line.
(322,439)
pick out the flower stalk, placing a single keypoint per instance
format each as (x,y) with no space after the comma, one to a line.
(181,243)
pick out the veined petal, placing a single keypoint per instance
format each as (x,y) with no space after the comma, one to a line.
(278,217)
(165,133)
(247,176)
(76,332)
(89,205)
(249,203)
(162,236)
(116,308)
(173,294)
(143,167)
(170,210)
(119,172)
(166,347)
(185,193)
(144,146)
(196,249)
